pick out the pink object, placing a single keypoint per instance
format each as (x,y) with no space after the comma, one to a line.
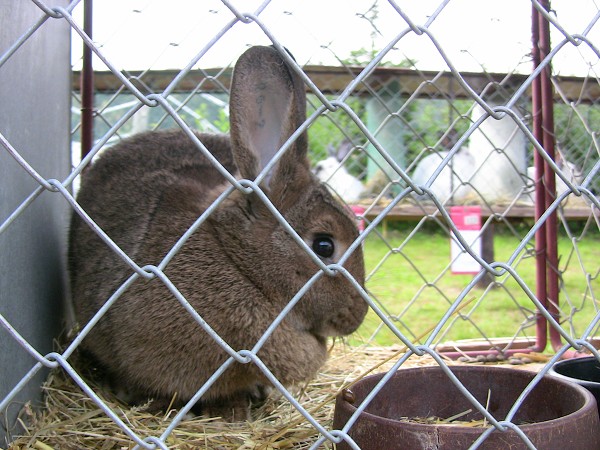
(358,212)
(468,222)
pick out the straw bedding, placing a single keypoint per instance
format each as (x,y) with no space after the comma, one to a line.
(70,420)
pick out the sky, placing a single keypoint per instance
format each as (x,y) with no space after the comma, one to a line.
(475,35)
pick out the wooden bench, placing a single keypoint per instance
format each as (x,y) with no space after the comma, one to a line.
(414,212)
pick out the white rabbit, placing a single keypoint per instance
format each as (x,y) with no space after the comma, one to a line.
(451,180)
(572,172)
(332,172)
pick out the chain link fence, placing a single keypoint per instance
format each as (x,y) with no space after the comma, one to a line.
(474,182)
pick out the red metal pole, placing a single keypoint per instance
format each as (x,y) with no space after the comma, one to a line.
(540,200)
(549,178)
(87,84)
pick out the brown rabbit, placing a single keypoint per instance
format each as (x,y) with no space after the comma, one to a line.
(238,270)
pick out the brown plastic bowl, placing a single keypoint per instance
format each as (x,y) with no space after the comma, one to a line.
(556,414)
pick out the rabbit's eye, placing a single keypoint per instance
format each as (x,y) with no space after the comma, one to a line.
(323,246)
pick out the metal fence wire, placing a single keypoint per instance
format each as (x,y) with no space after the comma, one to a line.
(474,186)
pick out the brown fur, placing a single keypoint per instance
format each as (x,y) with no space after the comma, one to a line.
(238,270)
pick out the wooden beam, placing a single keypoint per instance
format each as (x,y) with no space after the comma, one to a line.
(410,212)
(333,80)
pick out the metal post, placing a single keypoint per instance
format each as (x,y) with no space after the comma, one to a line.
(540,202)
(87,84)
(549,177)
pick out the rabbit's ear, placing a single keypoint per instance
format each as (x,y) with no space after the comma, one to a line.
(331,151)
(343,150)
(267,105)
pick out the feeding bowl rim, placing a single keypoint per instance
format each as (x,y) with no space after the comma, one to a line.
(588,398)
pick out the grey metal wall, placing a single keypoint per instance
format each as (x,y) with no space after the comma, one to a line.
(34,119)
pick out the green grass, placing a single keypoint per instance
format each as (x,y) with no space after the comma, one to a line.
(410,277)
